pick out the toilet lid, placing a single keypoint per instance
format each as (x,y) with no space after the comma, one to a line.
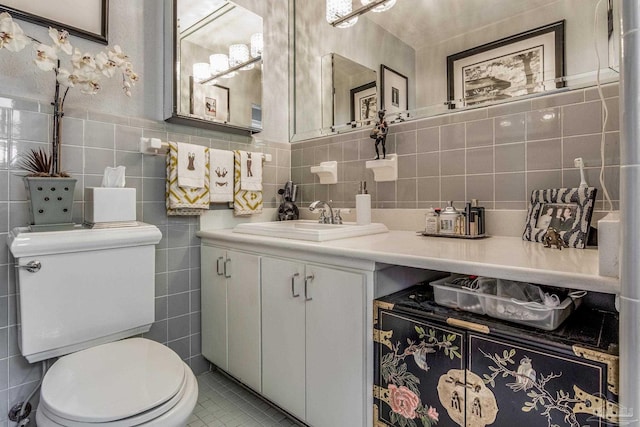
(112,381)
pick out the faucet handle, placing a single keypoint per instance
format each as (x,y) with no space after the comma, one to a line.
(337,219)
(323,218)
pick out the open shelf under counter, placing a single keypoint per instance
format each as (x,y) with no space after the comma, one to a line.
(496,256)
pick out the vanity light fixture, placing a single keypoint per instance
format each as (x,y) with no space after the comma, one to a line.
(257,45)
(337,10)
(239,54)
(382,8)
(219,63)
(201,71)
(340,13)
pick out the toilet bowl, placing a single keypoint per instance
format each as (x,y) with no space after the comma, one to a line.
(133,382)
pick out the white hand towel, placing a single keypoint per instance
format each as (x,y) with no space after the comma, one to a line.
(221,175)
(191,165)
(250,171)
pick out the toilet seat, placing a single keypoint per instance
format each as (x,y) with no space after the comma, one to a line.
(124,383)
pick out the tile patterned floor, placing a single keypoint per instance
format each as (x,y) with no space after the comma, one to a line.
(222,402)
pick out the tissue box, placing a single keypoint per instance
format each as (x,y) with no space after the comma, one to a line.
(109,204)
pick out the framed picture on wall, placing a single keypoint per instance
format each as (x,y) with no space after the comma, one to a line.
(523,64)
(364,103)
(209,102)
(394,88)
(90,21)
(566,210)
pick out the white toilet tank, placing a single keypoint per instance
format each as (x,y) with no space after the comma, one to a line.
(92,286)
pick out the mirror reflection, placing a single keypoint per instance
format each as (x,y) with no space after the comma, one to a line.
(349,91)
(219,70)
(416,39)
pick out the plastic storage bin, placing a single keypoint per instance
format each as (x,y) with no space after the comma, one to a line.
(488,299)
(455,295)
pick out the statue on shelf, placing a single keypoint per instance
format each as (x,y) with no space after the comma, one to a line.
(379,133)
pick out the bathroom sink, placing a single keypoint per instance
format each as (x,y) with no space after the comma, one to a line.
(309,230)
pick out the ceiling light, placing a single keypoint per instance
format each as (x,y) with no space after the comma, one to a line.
(219,63)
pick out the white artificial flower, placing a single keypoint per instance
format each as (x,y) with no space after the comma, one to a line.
(61,40)
(117,55)
(126,87)
(46,57)
(105,65)
(128,71)
(83,60)
(66,78)
(11,36)
(89,83)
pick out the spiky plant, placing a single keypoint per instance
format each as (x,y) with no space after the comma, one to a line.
(37,163)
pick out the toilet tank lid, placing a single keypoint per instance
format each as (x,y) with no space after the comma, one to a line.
(23,242)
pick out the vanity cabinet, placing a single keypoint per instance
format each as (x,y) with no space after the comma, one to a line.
(462,369)
(313,344)
(231,312)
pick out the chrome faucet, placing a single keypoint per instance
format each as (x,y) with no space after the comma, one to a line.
(322,204)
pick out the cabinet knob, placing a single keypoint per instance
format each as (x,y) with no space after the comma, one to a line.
(307,279)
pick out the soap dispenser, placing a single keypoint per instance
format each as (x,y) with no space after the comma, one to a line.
(363,205)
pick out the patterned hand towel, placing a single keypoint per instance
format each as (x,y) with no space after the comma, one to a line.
(181,200)
(221,173)
(244,202)
(191,165)
(250,171)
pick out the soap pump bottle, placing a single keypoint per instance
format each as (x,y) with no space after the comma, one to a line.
(363,205)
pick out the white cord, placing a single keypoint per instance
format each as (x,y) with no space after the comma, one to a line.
(605,110)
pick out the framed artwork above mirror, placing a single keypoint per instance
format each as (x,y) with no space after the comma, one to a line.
(522,64)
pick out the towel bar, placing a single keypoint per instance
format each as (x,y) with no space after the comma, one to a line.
(155,146)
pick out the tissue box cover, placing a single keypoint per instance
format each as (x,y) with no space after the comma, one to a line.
(109,204)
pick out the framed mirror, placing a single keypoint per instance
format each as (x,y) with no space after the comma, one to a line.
(415,39)
(217,79)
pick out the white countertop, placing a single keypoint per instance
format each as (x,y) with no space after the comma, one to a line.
(501,257)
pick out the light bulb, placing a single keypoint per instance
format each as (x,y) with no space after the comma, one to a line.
(336,9)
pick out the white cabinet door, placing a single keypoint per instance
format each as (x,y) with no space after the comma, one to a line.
(335,347)
(230,291)
(243,317)
(214,306)
(283,334)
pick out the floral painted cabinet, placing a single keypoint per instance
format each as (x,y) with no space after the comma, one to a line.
(428,372)
(537,386)
(411,357)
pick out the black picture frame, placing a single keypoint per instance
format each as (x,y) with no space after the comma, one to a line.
(364,102)
(555,202)
(209,102)
(34,11)
(527,63)
(394,90)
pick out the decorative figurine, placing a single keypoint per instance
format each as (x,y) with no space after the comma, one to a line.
(552,237)
(379,133)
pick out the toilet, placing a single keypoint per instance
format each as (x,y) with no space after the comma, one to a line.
(85,296)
